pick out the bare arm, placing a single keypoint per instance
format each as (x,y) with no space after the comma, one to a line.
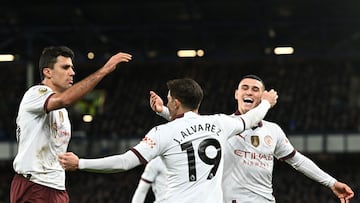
(78,90)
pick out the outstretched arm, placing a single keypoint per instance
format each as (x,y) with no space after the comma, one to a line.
(79,89)
(111,164)
(311,170)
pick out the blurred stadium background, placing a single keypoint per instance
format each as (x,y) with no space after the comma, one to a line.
(319,84)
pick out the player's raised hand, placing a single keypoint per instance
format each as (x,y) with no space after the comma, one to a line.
(69,161)
(271,96)
(156,103)
(115,60)
(342,191)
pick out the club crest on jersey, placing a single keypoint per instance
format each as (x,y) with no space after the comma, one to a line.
(42,90)
(268,140)
(255,141)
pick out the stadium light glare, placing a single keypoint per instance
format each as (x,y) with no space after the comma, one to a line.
(91,55)
(283,50)
(186,53)
(190,53)
(87,118)
(6,57)
(200,53)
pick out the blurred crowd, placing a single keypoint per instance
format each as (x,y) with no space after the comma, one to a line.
(315,96)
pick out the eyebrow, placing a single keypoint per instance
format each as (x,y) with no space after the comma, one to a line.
(67,66)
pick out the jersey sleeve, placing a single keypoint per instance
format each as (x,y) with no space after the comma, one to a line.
(110,164)
(151,170)
(283,149)
(153,143)
(35,98)
(231,125)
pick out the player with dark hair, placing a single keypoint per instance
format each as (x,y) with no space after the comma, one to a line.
(249,156)
(191,145)
(43,126)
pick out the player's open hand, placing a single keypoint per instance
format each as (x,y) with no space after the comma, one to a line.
(271,96)
(342,191)
(69,161)
(156,103)
(115,60)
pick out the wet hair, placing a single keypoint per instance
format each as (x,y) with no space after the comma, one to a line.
(49,56)
(187,91)
(255,77)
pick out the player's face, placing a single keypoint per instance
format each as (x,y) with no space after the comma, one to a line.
(171,104)
(62,75)
(248,94)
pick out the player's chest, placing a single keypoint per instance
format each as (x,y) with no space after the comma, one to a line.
(59,120)
(256,140)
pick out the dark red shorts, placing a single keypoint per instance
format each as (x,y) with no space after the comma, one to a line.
(23,190)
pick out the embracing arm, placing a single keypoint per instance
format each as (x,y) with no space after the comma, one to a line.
(310,169)
(110,164)
(255,115)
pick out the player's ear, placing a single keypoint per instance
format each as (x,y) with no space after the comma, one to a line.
(236,94)
(46,72)
(177,103)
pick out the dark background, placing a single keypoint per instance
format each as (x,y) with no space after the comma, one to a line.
(318,85)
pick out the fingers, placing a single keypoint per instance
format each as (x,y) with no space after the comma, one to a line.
(124,57)
(66,160)
(152,100)
(271,96)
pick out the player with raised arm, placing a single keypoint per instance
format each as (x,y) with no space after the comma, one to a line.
(44,129)
(249,157)
(191,145)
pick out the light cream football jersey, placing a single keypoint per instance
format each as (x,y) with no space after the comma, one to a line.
(155,173)
(192,149)
(41,137)
(249,162)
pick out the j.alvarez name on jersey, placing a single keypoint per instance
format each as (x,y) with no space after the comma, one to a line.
(201,127)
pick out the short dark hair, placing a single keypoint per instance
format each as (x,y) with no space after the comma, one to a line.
(187,91)
(255,77)
(49,55)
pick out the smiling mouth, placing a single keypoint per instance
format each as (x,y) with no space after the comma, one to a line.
(248,101)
